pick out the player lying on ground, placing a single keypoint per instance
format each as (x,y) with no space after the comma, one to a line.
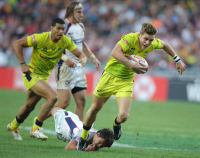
(68,128)
(48,47)
(118,77)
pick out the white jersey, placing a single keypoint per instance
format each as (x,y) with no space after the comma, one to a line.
(69,127)
(76,33)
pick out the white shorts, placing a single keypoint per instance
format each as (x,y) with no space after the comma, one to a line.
(61,127)
(67,78)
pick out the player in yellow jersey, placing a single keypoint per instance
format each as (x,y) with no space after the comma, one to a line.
(117,78)
(48,48)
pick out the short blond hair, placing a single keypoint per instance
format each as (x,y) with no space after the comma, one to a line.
(148,28)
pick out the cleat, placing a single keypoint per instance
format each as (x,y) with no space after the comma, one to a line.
(38,134)
(117,132)
(81,144)
(15,133)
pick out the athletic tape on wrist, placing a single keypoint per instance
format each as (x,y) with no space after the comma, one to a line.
(176,58)
(64,58)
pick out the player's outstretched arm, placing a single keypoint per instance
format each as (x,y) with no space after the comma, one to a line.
(89,54)
(81,56)
(180,66)
(118,54)
(18,49)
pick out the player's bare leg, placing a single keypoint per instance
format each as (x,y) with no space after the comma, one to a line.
(42,88)
(124,106)
(31,101)
(63,98)
(80,100)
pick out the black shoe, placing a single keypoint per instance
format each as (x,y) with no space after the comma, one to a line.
(81,144)
(117,132)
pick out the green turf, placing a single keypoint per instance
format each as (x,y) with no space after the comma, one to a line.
(154,129)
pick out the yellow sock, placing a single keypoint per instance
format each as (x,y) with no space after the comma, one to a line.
(14,125)
(35,127)
(114,122)
(84,134)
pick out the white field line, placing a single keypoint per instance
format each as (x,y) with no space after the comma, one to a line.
(114,144)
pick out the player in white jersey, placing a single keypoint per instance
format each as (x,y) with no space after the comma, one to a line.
(70,77)
(68,128)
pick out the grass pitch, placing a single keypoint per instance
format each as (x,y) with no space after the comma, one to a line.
(154,130)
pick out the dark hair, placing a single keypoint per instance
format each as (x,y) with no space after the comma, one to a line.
(70,8)
(148,28)
(57,20)
(108,135)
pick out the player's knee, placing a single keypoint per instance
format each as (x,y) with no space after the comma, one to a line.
(53,98)
(124,116)
(64,104)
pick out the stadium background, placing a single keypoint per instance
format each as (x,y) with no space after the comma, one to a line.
(164,124)
(178,23)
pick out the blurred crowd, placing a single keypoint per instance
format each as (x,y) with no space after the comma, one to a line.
(178,23)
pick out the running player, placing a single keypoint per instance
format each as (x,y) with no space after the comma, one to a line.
(48,48)
(118,78)
(70,78)
(68,128)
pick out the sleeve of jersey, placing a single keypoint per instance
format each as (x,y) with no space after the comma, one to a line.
(70,44)
(157,43)
(125,42)
(33,40)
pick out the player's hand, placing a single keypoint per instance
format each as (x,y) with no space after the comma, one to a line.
(180,66)
(90,147)
(26,69)
(70,62)
(97,63)
(82,61)
(138,68)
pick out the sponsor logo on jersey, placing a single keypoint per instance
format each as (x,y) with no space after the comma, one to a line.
(67,82)
(125,41)
(33,38)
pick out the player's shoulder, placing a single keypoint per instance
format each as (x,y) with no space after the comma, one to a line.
(132,35)
(65,38)
(156,40)
(82,25)
(40,37)
(43,35)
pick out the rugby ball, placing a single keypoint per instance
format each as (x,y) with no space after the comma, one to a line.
(143,62)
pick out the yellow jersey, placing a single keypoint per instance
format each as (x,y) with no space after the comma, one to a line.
(46,53)
(130,46)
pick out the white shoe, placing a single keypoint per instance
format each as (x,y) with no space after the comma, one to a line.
(38,134)
(14,133)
